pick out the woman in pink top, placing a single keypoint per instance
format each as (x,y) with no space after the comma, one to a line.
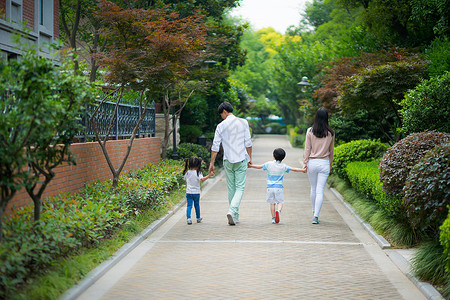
(319,148)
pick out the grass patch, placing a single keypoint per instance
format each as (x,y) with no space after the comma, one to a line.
(67,271)
(397,232)
(429,263)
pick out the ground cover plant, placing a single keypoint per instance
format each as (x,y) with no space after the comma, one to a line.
(71,222)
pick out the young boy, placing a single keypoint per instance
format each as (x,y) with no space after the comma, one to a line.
(275,172)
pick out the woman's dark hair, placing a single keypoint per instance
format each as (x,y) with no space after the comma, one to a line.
(193,163)
(225,106)
(279,154)
(320,127)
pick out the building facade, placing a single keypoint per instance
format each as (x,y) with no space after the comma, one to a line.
(36,20)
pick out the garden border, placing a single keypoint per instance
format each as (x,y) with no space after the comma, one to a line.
(105,266)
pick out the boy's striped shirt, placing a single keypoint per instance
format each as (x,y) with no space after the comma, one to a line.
(275,172)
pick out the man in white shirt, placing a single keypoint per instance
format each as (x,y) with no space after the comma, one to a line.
(234,135)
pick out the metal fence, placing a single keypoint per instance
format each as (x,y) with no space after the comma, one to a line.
(124,121)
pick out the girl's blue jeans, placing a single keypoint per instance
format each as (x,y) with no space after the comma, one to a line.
(195,200)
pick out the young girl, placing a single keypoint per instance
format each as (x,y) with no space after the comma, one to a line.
(193,175)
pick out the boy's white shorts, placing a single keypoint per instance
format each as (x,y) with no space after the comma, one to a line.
(275,195)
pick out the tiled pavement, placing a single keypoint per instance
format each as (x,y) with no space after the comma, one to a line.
(294,259)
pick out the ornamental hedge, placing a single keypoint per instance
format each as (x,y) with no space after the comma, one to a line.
(365,178)
(360,150)
(426,191)
(72,221)
(403,155)
(445,238)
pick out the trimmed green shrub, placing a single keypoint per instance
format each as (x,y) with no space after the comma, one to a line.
(71,221)
(190,133)
(438,56)
(186,150)
(426,107)
(365,178)
(445,238)
(298,140)
(426,191)
(403,155)
(360,150)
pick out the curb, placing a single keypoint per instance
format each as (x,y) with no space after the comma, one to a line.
(105,266)
(401,262)
(381,241)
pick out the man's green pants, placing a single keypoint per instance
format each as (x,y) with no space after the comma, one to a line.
(236,174)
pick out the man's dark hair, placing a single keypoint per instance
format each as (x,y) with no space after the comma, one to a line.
(225,106)
(279,154)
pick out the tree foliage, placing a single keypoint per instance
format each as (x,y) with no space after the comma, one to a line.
(80,29)
(404,22)
(152,49)
(378,90)
(426,107)
(41,106)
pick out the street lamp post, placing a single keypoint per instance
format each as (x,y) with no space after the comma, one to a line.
(304,83)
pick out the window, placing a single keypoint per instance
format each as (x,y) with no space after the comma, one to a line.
(45,12)
(41,12)
(16,12)
(13,11)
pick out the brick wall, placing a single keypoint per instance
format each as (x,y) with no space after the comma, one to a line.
(92,166)
(2,7)
(28,13)
(56,19)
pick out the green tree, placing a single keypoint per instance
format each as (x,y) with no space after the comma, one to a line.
(404,22)
(379,89)
(318,12)
(80,30)
(426,107)
(295,59)
(439,57)
(157,50)
(41,105)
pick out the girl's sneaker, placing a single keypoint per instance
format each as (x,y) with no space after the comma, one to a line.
(273,220)
(315,220)
(199,220)
(189,221)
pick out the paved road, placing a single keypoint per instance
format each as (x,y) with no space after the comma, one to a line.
(294,259)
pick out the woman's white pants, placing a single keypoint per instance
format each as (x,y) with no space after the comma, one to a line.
(318,171)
